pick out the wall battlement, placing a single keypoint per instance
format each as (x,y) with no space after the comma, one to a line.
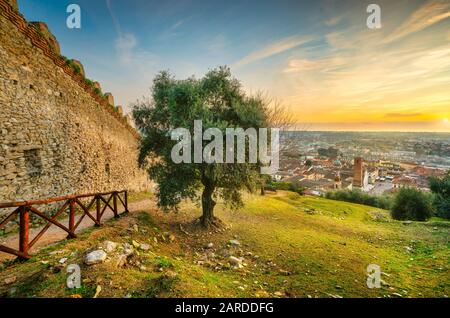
(57,135)
(33,30)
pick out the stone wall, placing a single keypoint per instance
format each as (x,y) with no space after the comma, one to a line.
(57,137)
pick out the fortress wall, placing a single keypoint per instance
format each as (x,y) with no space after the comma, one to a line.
(56,136)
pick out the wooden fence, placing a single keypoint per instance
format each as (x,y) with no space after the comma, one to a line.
(25,208)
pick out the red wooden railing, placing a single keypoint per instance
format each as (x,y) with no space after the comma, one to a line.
(24,208)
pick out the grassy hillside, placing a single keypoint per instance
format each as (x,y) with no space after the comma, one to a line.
(292,246)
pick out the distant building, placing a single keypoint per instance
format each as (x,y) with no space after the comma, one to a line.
(360,174)
(328,152)
(405,181)
(338,181)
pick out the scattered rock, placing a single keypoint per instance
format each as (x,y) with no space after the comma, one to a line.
(121,260)
(97,291)
(135,228)
(406,222)
(278,294)
(110,246)
(63,260)
(284,272)
(170,274)
(234,242)
(95,257)
(144,247)
(234,260)
(262,294)
(171,238)
(209,245)
(409,249)
(10,280)
(128,249)
(58,252)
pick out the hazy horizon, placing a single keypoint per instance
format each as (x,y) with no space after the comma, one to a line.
(317,57)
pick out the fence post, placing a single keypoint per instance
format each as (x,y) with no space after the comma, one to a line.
(99,216)
(116,214)
(71,218)
(126,202)
(24,224)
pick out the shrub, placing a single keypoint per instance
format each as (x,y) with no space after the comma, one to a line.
(441,188)
(357,196)
(288,186)
(412,204)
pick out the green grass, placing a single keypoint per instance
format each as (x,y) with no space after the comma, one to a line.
(328,251)
(306,246)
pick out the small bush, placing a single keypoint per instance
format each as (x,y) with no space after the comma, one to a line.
(88,81)
(412,204)
(98,91)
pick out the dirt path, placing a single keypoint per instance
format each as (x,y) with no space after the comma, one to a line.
(55,234)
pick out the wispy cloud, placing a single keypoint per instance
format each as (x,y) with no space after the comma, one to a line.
(127,48)
(113,18)
(402,115)
(174,29)
(334,20)
(218,43)
(430,13)
(272,49)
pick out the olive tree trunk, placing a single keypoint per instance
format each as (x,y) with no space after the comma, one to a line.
(208,205)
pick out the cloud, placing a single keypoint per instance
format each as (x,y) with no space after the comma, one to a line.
(217,44)
(173,30)
(430,13)
(333,21)
(402,115)
(330,65)
(113,18)
(127,47)
(180,23)
(125,44)
(299,65)
(272,49)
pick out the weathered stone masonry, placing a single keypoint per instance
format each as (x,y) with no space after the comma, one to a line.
(57,137)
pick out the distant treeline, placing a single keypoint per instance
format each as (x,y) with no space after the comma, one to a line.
(407,203)
(280,185)
(357,196)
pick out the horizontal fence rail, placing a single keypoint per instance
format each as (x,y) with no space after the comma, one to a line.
(23,210)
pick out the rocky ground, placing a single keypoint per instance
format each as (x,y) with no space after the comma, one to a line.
(277,246)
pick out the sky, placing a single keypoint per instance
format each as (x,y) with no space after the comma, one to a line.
(318,58)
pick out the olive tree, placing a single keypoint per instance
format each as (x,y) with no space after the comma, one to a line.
(219,101)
